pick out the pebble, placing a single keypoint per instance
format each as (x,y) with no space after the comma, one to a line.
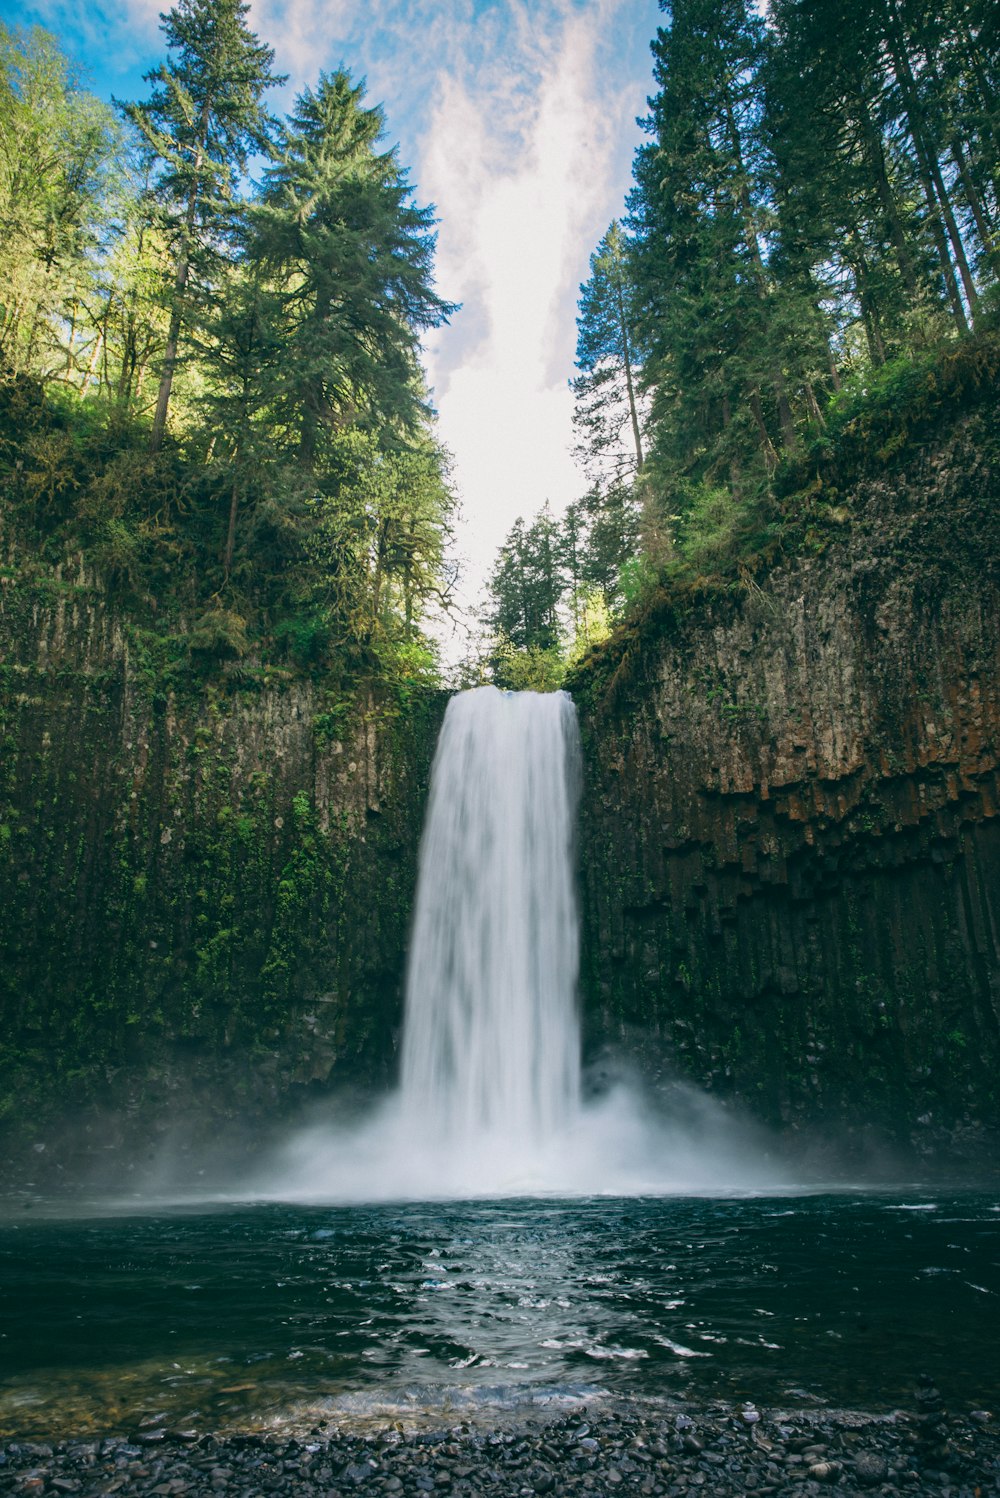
(823,1471)
(870,1467)
(641,1449)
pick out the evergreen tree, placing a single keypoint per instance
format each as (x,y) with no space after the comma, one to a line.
(846,217)
(239,353)
(607,522)
(336,230)
(527,585)
(203,119)
(714,352)
(606,399)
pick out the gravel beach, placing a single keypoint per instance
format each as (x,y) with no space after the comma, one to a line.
(640,1448)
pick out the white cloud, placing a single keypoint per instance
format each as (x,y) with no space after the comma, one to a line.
(517,118)
(303,34)
(526,180)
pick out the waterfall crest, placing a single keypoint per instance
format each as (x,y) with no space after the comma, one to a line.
(491,1049)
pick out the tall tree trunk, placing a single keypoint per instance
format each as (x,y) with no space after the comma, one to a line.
(234,504)
(308,436)
(760,271)
(92,364)
(930,169)
(987,100)
(975,202)
(170,354)
(869,311)
(408,581)
(129,363)
(788,433)
(380,552)
(813,404)
(875,155)
(834,371)
(629,383)
(972,189)
(181,276)
(735,471)
(767,446)
(70,341)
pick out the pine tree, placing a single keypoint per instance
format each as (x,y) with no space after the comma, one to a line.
(606,395)
(527,585)
(202,121)
(714,351)
(239,352)
(337,232)
(846,218)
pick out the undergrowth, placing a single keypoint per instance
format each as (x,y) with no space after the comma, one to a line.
(724,547)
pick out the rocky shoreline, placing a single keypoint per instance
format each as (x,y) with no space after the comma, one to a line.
(641,1448)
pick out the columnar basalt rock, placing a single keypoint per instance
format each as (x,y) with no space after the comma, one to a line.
(790,848)
(205,892)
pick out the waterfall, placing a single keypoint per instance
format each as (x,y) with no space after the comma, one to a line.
(489,1102)
(491,1048)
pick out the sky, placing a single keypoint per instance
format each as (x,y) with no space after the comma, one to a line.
(517,120)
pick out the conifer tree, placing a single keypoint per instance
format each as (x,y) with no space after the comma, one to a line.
(204,118)
(239,353)
(714,351)
(337,231)
(605,391)
(527,585)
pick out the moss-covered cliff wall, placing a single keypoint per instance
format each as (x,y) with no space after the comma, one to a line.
(205,882)
(790,847)
(790,850)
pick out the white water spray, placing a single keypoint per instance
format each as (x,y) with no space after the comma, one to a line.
(490,1096)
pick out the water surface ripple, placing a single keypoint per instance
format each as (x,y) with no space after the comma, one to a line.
(216,1315)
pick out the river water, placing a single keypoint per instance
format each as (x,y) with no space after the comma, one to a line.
(250,1313)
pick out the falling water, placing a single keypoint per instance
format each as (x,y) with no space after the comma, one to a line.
(491,1050)
(490,1097)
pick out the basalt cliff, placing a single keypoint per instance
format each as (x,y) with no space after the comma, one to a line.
(205,884)
(790,846)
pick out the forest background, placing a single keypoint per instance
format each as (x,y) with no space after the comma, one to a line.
(210,325)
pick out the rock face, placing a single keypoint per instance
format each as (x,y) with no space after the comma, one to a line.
(205,885)
(790,853)
(790,848)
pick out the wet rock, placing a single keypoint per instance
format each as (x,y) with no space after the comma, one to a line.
(816,1456)
(870,1467)
(357,1472)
